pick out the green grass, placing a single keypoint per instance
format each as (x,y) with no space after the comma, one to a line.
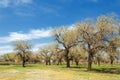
(54,72)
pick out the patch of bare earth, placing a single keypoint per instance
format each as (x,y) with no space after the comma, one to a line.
(38,74)
(8,74)
(47,75)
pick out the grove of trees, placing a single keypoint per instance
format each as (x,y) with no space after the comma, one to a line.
(87,41)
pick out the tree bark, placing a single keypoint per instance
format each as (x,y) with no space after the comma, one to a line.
(76,62)
(98,62)
(49,62)
(46,62)
(111,60)
(67,59)
(89,62)
(68,63)
(23,62)
(72,61)
(59,62)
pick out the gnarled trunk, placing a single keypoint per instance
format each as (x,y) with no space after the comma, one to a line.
(68,63)
(59,62)
(67,59)
(89,62)
(76,62)
(111,60)
(49,62)
(23,62)
(46,62)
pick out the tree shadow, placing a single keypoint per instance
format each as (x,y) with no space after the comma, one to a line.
(78,67)
(108,70)
(74,67)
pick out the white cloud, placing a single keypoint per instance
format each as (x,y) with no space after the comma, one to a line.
(7,3)
(33,34)
(4,3)
(5,49)
(23,14)
(24,1)
(49,9)
(9,48)
(17,2)
(5,41)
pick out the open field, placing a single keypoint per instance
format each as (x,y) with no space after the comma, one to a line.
(53,72)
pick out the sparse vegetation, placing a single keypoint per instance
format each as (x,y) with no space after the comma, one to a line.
(86,45)
(54,72)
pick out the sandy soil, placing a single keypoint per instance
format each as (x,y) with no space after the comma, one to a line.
(38,74)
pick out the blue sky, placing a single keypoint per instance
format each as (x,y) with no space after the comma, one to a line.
(34,19)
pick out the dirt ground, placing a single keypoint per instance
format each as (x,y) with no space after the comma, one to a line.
(53,74)
(36,74)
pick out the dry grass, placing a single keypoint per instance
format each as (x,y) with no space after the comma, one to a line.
(41,72)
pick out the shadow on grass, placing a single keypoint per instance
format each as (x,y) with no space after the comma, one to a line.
(78,67)
(108,70)
(114,70)
(74,68)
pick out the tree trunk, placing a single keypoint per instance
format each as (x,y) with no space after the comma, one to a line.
(67,59)
(98,62)
(76,62)
(68,63)
(95,62)
(59,62)
(46,62)
(23,62)
(49,62)
(111,60)
(89,62)
(72,62)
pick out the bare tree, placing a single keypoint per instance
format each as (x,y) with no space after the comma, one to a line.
(44,53)
(67,38)
(34,57)
(57,52)
(47,52)
(112,50)
(78,54)
(95,36)
(6,57)
(23,50)
(99,57)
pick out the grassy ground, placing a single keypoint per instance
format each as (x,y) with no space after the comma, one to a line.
(53,72)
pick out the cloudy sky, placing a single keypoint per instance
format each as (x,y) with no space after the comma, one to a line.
(33,20)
